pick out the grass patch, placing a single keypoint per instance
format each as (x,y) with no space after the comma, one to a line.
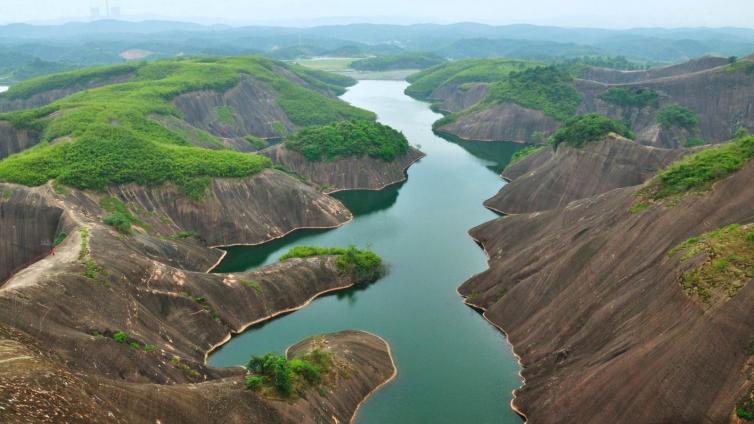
(545,88)
(699,171)
(461,72)
(728,265)
(745,407)
(257,142)
(115,141)
(225,115)
(276,374)
(637,97)
(120,217)
(584,129)
(59,238)
(362,264)
(88,76)
(349,138)
(184,235)
(252,284)
(524,153)
(674,115)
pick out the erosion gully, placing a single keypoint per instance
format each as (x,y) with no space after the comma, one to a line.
(453,366)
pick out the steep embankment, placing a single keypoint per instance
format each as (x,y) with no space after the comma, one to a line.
(14,140)
(556,179)
(252,109)
(273,201)
(349,173)
(615,76)
(600,310)
(151,287)
(502,121)
(717,96)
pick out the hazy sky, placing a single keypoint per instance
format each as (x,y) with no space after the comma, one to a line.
(593,13)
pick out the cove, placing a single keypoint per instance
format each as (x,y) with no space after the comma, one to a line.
(453,366)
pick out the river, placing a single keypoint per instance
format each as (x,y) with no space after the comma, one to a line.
(453,367)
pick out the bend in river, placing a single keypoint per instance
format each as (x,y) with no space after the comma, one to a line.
(452,365)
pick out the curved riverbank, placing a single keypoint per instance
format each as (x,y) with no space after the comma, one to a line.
(454,367)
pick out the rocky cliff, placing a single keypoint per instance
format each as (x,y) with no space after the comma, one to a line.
(14,140)
(252,108)
(595,308)
(722,96)
(552,181)
(237,211)
(351,173)
(64,309)
(502,122)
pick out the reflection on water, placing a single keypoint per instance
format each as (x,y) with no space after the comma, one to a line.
(494,155)
(453,367)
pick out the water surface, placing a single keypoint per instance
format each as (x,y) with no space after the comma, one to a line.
(3,88)
(453,367)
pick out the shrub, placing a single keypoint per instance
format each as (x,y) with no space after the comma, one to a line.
(119,221)
(285,375)
(729,262)
(524,153)
(363,265)
(59,238)
(631,97)
(254,382)
(120,337)
(460,72)
(674,115)
(349,138)
(545,88)
(700,170)
(581,130)
(116,141)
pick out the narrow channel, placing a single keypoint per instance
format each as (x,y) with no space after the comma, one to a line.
(453,367)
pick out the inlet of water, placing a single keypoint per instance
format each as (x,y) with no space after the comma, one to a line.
(453,367)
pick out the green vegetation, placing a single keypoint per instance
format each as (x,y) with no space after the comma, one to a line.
(114,140)
(461,72)
(545,88)
(729,263)
(407,60)
(76,78)
(578,65)
(225,115)
(694,142)
(674,115)
(349,138)
(524,153)
(59,238)
(631,97)
(287,376)
(583,129)
(257,142)
(252,284)
(123,338)
(699,171)
(120,217)
(364,265)
(744,65)
(184,235)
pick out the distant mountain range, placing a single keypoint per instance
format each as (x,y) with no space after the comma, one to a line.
(104,41)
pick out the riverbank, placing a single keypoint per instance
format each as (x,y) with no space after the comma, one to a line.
(419,228)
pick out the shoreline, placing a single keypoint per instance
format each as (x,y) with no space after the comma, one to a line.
(468,303)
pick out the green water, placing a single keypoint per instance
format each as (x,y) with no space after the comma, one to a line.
(453,367)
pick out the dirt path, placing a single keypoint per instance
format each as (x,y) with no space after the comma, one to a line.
(66,252)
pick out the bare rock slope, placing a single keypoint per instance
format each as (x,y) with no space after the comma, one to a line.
(571,173)
(595,308)
(351,173)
